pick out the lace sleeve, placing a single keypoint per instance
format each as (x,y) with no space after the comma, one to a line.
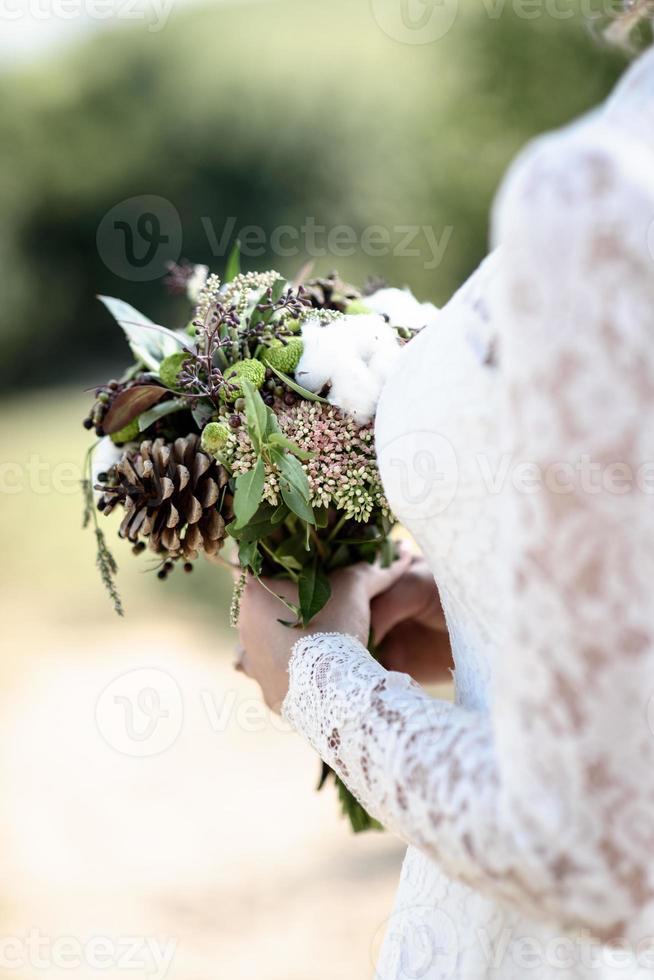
(547,803)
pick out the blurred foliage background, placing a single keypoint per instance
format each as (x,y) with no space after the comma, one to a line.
(266,113)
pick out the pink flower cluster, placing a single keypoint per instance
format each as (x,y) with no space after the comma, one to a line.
(343,470)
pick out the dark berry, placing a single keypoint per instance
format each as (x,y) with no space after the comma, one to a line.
(234,421)
(163,574)
(99,431)
(103,477)
(289,398)
(188,567)
(88,423)
(269,400)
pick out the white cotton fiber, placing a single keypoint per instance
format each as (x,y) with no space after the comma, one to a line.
(402,308)
(352,356)
(104,456)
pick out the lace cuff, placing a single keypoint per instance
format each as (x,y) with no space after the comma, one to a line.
(318,673)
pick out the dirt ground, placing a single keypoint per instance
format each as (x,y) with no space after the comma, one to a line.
(215,851)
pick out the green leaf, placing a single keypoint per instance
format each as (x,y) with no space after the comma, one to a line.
(255,412)
(203,413)
(280,514)
(278,289)
(314,592)
(129,404)
(281,442)
(310,396)
(256,529)
(291,470)
(160,411)
(296,502)
(233,268)
(249,490)
(287,559)
(150,343)
(250,557)
(272,425)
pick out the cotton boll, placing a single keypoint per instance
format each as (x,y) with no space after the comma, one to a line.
(368,333)
(402,308)
(355,390)
(105,455)
(352,357)
(383,363)
(320,357)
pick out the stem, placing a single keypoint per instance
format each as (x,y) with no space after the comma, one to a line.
(294,576)
(340,524)
(289,606)
(318,543)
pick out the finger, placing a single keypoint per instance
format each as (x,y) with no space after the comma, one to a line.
(413,597)
(239,657)
(393,607)
(378,579)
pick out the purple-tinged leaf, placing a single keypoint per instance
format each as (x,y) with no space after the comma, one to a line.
(129,404)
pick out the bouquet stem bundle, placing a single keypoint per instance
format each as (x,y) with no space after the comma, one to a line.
(251,425)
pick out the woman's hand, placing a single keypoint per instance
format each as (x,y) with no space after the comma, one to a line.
(267,644)
(409,629)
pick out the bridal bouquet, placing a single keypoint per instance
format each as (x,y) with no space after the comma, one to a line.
(251,425)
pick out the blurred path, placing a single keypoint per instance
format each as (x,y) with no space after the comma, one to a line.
(217,845)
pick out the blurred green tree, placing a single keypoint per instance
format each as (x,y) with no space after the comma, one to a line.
(270,114)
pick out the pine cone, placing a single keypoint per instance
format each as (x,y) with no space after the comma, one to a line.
(331,293)
(170,491)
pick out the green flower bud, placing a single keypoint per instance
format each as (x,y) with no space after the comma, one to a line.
(357,306)
(284,357)
(170,368)
(128,434)
(214,437)
(252,370)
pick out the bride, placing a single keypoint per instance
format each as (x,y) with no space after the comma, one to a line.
(516,443)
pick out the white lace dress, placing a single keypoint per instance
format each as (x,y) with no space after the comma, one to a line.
(516,443)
